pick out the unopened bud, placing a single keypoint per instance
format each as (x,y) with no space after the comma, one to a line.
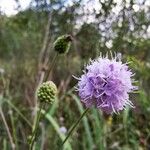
(47,92)
(62,44)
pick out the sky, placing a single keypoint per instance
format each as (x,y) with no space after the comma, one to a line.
(9,6)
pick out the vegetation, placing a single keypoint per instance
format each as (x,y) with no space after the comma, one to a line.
(26,45)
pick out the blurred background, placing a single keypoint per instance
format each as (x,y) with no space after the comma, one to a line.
(27,32)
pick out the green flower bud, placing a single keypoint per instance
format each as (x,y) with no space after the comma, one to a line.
(47,92)
(62,44)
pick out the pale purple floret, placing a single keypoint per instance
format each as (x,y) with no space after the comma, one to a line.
(106,84)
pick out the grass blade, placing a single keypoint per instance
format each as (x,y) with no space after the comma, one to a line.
(56,127)
(18,111)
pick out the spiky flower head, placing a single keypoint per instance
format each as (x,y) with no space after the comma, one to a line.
(47,92)
(62,44)
(106,83)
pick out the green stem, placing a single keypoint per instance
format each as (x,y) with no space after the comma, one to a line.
(74,126)
(51,66)
(33,136)
(35,128)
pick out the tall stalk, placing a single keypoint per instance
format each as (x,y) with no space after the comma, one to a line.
(37,117)
(75,125)
(33,136)
(51,67)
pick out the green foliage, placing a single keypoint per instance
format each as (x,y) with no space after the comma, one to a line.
(21,43)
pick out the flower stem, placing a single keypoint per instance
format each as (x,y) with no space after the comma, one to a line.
(75,125)
(36,127)
(51,66)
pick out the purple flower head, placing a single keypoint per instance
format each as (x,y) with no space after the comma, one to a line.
(106,83)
